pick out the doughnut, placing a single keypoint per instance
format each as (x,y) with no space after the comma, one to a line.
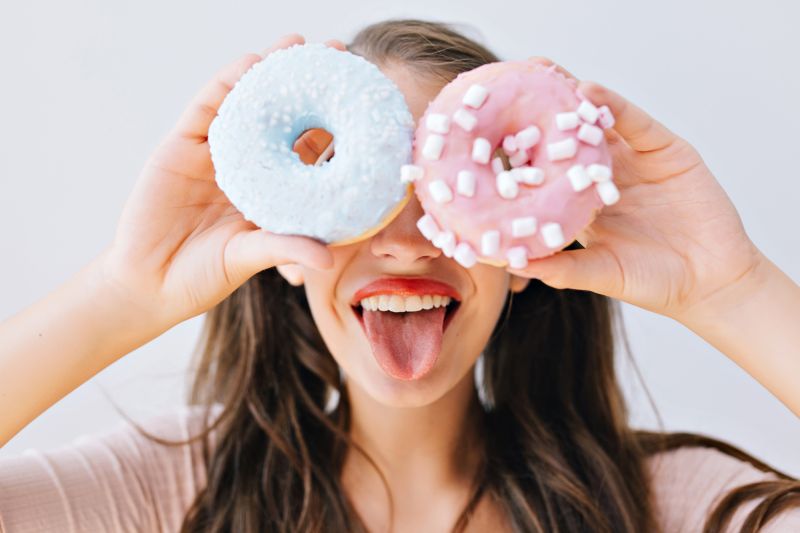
(299,88)
(511,163)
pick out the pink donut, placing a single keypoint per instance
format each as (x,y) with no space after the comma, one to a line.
(558,173)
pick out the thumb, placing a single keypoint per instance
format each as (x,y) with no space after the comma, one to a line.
(252,251)
(593,269)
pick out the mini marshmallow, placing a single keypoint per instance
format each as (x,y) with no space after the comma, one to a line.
(608,192)
(578,177)
(465,119)
(464,255)
(588,112)
(510,144)
(465,183)
(490,242)
(605,117)
(598,172)
(433,147)
(440,191)
(446,242)
(438,123)
(552,235)
(475,96)
(528,137)
(497,165)
(409,173)
(562,149)
(506,185)
(590,134)
(428,227)
(518,159)
(523,226)
(567,121)
(517,257)
(528,175)
(481,150)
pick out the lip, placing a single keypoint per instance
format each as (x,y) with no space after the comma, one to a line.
(407,287)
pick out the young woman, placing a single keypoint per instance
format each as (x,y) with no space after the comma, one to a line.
(295,426)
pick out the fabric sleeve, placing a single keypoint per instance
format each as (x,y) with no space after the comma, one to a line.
(116,480)
(688,482)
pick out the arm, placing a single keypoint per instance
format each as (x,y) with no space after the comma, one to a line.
(756,323)
(58,343)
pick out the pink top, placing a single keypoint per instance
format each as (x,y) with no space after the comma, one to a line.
(119,481)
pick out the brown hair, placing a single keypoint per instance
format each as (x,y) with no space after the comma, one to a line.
(559,452)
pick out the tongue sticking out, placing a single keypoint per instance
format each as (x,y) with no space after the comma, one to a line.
(406,345)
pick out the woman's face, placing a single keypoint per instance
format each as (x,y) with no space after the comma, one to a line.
(425,353)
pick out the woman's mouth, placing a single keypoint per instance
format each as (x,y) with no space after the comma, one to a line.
(404,320)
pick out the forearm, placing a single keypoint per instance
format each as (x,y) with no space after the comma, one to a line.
(757,324)
(58,343)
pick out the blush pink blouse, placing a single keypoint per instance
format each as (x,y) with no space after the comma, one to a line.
(118,480)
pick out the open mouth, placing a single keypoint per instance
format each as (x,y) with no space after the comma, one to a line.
(385,305)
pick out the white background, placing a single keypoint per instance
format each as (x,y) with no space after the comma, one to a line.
(88,89)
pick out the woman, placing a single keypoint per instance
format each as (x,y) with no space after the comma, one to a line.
(295,426)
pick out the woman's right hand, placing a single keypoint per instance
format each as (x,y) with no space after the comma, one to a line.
(181,247)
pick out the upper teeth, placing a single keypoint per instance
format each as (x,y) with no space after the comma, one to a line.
(399,304)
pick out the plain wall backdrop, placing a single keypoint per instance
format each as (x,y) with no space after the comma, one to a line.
(90,87)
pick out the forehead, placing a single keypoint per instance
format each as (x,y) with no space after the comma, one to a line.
(418,90)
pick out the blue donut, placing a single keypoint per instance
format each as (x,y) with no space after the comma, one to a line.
(296,89)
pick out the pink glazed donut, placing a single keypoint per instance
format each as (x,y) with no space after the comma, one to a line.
(510,164)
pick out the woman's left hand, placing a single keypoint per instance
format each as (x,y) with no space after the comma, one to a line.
(673,239)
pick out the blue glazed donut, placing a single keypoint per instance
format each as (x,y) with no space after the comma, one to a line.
(295,89)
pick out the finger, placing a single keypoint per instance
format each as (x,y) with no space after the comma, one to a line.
(639,130)
(547,62)
(590,269)
(284,42)
(252,251)
(195,120)
(311,144)
(335,43)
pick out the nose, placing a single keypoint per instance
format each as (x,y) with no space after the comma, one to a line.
(401,240)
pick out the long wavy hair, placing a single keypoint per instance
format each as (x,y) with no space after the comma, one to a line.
(559,453)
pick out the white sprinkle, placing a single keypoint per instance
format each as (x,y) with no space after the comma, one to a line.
(598,172)
(506,185)
(552,235)
(427,226)
(518,159)
(434,145)
(528,137)
(490,242)
(578,177)
(517,257)
(438,123)
(497,165)
(567,121)
(606,117)
(562,149)
(608,192)
(409,173)
(510,144)
(440,191)
(446,241)
(588,111)
(523,226)
(528,175)
(475,96)
(465,183)
(590,134)
(465,119)
(481,150)
(465,255)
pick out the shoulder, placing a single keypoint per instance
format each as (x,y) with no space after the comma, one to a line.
(688,482)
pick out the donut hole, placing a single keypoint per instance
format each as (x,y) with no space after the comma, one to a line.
(314,146)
